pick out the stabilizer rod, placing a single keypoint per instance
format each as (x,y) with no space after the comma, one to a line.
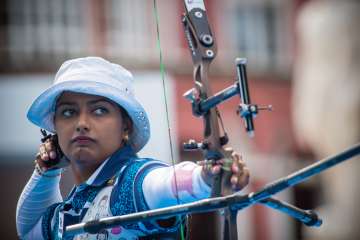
(234,201)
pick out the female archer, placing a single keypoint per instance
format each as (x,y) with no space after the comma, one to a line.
(100,126)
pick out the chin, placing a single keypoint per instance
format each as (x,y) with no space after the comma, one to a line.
(83,155)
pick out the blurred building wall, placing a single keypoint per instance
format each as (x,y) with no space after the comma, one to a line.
(327,106)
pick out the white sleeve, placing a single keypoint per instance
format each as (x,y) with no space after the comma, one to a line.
(39,193)
(161,185)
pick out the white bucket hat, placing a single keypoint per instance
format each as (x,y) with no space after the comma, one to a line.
(95,76)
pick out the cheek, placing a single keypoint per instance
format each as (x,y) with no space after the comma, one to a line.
(62,141)
(109,132)
(64,134)
(112,132)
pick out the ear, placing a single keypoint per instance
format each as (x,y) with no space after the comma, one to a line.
(128,126)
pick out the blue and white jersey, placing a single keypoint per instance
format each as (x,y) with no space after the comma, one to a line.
(114,189)
(122,184)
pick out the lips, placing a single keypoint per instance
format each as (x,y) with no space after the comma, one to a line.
(82,140)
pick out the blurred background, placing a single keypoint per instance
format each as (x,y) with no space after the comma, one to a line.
(303,58)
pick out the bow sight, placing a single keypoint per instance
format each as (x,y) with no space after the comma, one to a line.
(246,110)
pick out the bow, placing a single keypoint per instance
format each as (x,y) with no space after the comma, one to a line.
(203,50)
(234,202)
(204,103)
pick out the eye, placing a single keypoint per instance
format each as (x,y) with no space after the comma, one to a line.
(100,111)
(67,113)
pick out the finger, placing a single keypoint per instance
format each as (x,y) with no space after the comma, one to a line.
(241,163)
(50,149)
(238,186)
(215,169)
(49,146)
(234,180)
(235,184)
(244,178)
(245,171)
(240,181)
(243,182)
(39,160)
(42,148)
(44,156)
(237,166)
(235,156)
(52,155)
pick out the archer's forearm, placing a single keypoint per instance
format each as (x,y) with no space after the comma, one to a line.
(162,185)
(39,193)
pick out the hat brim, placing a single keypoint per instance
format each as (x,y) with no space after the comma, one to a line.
(42,111)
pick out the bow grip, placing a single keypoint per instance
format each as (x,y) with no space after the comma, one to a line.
(220,185)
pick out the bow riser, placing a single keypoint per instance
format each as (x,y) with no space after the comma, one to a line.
(203,50)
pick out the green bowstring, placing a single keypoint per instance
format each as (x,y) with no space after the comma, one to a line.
(162,71)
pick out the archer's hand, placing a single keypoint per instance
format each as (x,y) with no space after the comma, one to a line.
(240,173)
(47,157)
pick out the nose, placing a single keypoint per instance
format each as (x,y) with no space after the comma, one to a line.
(83,123)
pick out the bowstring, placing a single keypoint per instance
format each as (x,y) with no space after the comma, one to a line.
(162,71)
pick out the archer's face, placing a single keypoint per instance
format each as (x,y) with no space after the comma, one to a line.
(90,128)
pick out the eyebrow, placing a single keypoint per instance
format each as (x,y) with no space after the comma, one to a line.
(92,102)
